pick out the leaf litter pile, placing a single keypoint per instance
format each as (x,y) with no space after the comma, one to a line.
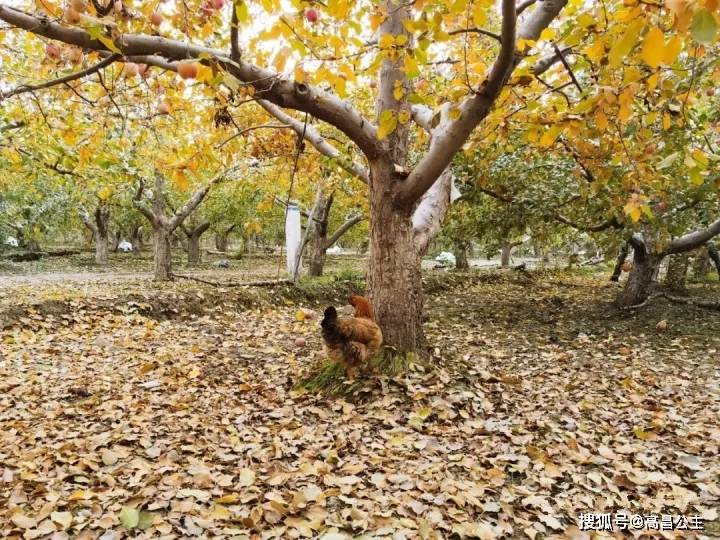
(540,402)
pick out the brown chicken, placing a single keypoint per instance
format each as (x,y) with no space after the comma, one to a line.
(351,340)
(362,306)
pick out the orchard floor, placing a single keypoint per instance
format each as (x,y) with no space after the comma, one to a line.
(128,409)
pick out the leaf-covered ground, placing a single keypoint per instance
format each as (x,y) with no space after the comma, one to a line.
(544,402)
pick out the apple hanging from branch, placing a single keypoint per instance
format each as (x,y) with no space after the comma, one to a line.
(188,70)
(311,15)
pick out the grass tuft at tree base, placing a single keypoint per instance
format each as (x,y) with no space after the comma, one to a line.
(329,378)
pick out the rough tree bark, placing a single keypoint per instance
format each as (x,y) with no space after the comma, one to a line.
(136,239)
(714,257)
(622,256)
(677,272)
(98,225)
(637,287)
(163,225)
(701,263)
(319,242)
(506,251)
(646,261)
(116,237)
(194,235)
(221,238)
(461,255)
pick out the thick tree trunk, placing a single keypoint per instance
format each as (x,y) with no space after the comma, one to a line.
(194,252)
(136,239)
(116,237)
(461,256)
(162,254)
(701,263)
(101,247)
(637,287)
(505,251)
(317,253)
(715,257)
(221,242)
(617,271)
(394,274)
(677,272)
(32,245)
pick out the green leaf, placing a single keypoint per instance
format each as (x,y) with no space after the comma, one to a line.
(704,26)
(145,520)
(129,517)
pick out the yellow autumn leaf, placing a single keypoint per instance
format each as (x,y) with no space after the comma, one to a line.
(549,136)
(595,51)
(652,81)
(601,120)
(300,76)
(220,512)
(230,498)
(622,47)
(547,34)
(386,41)
(653,49)
(666,121)
(387,124)
(672,50)
(700,158)
(109,43)
(479,15)
(80,495)
(410,66)
(633,210)
(105,193)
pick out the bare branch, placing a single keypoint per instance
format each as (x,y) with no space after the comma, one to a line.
(475,30)
(694,239)
(611,223)
(62,80)
(196,198)
(342,229)
(252,128)
(561,56)
(317,140)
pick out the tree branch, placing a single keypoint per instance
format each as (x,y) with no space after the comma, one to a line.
(268,84)
(197,197)
(342,229)
(62,80)
(317,140)
(12,125)
(611,223)
(475,30)
(282,203)
(694,239)
(85,217)
(142,207)
(450,137)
